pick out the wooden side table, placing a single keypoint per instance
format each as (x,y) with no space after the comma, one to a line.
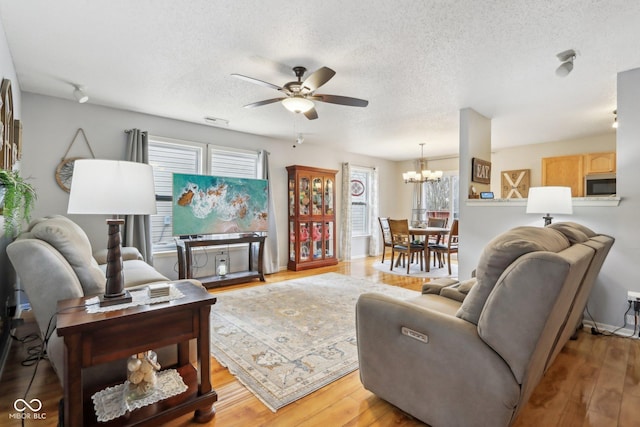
(92,339)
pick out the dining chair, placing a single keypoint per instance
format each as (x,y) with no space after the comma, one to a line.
(432,239)
(450,246)
(386,235)
(402,243)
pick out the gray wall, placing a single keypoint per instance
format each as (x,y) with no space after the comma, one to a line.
(50,124)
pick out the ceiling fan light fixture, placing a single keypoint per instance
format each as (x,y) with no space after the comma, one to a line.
(80,96)
(297,104)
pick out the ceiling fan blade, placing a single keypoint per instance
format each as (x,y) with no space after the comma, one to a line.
(311,114)
(318,78)
(341,100)
(261,103)
(256,81)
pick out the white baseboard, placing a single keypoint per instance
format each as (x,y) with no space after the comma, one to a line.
(627,332)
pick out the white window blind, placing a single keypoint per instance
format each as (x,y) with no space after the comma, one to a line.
(232,163)
(169,157)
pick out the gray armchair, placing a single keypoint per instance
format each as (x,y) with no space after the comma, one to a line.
(471,353)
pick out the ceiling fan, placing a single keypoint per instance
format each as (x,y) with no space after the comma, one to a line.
(301,94)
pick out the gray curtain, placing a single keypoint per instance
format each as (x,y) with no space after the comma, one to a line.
(271,258)
(374,240)
(137,231)
(345,214)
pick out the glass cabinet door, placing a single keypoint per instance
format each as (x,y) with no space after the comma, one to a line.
(328,197)
(328,239)
(292,241)
(316,204)
(292,196)
(305,196)
(317,237)
(305,241)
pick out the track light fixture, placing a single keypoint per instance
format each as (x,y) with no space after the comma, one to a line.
(566,58)
(80,95)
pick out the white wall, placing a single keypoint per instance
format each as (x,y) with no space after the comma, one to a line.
(50,123)
(608,300)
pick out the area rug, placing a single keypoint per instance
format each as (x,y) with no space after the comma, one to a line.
(286,340)
(414,270)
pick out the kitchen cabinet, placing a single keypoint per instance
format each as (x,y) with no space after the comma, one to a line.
(599,163)
(569,171)
(565,171)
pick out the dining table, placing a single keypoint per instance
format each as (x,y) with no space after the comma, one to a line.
(428,231)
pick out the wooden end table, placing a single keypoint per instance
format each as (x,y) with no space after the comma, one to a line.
(92,339)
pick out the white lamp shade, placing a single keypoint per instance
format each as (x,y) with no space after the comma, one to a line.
(556,200)
(112,187)
(297,104)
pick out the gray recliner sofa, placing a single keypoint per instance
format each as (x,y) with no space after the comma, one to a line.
(471,353)
(54,261)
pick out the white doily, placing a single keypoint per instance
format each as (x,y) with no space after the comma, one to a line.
(139,297)
(111,403)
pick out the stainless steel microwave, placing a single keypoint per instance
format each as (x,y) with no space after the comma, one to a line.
(600,185)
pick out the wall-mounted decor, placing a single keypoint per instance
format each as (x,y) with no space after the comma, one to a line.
(480,171)
(515,184)
(17,140)
(64,171)
(6,116)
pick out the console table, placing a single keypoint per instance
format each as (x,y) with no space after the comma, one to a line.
(185,260)
(92,339)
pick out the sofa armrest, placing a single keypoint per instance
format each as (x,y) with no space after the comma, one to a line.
(436,380)
(128,253)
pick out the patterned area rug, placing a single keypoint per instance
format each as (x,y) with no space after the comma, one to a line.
(288,339)
(414,270)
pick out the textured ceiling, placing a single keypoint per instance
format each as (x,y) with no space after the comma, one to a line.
(417,62)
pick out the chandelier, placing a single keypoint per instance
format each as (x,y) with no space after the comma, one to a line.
(424,175)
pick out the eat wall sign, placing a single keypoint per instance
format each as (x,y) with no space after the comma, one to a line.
(480,171)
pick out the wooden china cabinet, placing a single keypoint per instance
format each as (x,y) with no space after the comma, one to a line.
(312,217)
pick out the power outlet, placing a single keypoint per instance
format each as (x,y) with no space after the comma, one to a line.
(630,319)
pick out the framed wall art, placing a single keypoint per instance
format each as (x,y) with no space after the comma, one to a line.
(480,171)
(515,184)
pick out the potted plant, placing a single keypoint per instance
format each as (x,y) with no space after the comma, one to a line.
(19,197)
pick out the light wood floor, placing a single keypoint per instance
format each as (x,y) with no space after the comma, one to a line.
(595,381)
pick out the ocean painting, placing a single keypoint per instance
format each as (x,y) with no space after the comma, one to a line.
(205,204)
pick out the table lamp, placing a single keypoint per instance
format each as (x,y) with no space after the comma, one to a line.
(115,188)
(549,199)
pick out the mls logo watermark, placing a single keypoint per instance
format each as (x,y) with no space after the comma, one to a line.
(28,410)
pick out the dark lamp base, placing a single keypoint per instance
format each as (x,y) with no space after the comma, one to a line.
(106,301)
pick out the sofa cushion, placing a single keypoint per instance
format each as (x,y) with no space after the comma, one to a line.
(498,254)
(575,232)
(73,244)
(137,272)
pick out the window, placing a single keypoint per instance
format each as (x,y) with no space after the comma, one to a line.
(168,156)
(360,201)
(441,198)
